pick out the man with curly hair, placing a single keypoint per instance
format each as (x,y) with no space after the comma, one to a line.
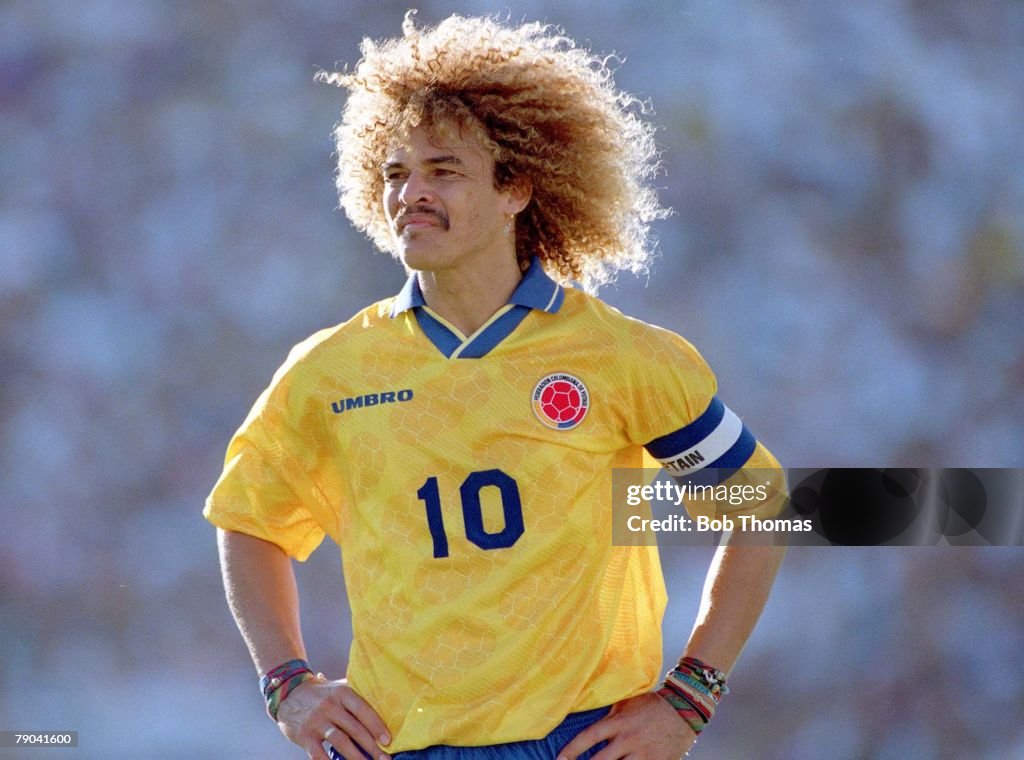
(458,440)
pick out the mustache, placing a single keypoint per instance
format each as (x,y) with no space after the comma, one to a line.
(440,216)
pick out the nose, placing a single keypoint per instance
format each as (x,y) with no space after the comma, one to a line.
(415,190)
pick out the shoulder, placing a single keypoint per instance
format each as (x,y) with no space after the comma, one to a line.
(353,330)
(331,344)
(644,342)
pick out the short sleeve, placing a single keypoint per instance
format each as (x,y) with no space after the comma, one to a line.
(670,385)
(686,428)
(267,488)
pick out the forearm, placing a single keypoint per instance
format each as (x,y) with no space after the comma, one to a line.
(735,591)
(260,585)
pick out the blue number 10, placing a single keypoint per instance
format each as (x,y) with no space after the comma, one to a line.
(472,511)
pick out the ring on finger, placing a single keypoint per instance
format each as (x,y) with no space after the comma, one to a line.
(328,732)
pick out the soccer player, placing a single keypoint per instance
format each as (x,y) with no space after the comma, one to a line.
(458,440)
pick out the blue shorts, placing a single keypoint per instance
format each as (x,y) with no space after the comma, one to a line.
(546,748)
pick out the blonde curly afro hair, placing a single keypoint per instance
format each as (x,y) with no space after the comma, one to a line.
(544,108)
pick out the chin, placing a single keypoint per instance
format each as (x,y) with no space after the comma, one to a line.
(421,257)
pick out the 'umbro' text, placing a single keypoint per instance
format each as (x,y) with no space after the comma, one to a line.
(371,399)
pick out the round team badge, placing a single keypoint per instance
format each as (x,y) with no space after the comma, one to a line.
(560,401)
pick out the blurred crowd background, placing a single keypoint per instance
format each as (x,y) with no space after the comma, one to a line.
(847,252)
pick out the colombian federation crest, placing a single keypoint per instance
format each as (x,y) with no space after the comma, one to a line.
(560,401)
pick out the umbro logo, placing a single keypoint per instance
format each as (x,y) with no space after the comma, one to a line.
(371,399)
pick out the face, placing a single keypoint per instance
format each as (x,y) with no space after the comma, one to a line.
(441,203)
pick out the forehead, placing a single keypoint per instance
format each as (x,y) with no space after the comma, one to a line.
(426,143)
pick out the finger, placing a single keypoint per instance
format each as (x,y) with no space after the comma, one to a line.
(609,753)
(332,733)
(344,747)
(587,738)
(366,715)
(350,727)
(317,752)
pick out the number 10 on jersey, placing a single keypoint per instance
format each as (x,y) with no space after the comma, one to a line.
(472,511)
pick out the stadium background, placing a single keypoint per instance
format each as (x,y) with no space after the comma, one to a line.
(847,253)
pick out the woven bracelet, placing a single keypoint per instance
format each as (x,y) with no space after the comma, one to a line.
(274,677)
(279,682)
(711,678)
(693,717)
(693,689)
(280,694)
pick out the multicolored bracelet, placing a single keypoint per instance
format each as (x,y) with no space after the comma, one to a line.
(274,677)
(693,717)
(279,682)
(694,689)
(710,677)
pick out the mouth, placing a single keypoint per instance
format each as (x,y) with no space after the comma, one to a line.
(416,224)
(421,219)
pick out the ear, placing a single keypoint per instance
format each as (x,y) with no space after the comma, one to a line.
(519,192)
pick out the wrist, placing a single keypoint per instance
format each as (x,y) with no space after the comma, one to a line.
(693,689)
(282,680)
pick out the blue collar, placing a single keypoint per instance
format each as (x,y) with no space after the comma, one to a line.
(535,291)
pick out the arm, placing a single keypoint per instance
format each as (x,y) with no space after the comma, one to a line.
(264,600)
(735,591)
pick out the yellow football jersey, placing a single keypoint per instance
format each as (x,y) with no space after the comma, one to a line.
(468,483)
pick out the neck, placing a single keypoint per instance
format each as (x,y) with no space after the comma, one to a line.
(468,297)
